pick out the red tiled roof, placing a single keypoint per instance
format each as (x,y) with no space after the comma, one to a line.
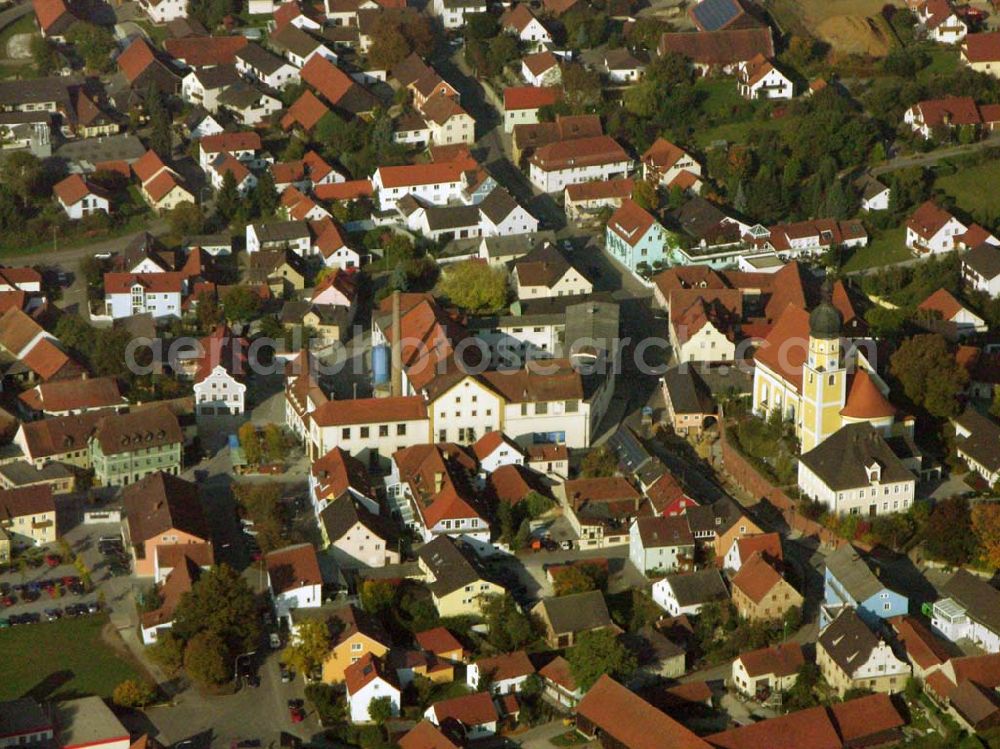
(928,219)
(469,710)
(784,349)
(539,62)
(489,442)
(725,47)
(370,411)
(48,12)
(148,166)
(663,154)
(438,641)
(135,59)
(756,577)
(923,647)
(204,51)
(364,671)
(580,152)
(426,735)
(46,359)
(530,97)
(71,190)
(864,400)
(984,47)
(306,112)
(293,567)
(605,189)
(121,283)
(507,666)
(350,190)
(865,717)
(438,172)
(766,544)
(631,221)
(72,395)
(781,660)
(952,110)
(942,301)
(327,78)
(802,729)
(161,185)
(240,141)
(632,722)
(518,18)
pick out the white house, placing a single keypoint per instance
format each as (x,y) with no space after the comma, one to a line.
(368,680)
(246,181)
(158,294)
(660,544)
(202,124)
(687,593)
(292,235)
(766,544)
(758,78)
(873,481)
(545,272)
(241,145)
(202,86)
(521,104)
(369,428)
(218,382)
(874,195)
(452,13)
(541,69)
(294,579)
(932,229)
(981,268)
(475,712)
(495,449)
(79,198)
(502,216)
(940,21)
(555,166)
(501,674)
(248,103)
(257,64)
(164,11)
(521,22)
(969,610)
(965,322)
(437,183)
(760,673)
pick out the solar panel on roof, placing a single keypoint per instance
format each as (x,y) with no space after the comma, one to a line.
(713,15)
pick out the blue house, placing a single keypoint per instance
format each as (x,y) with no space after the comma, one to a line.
(635,238)
(849,581)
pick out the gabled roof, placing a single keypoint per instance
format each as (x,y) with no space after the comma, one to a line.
(632,722)
(786,361)
(438,641)
(161,502)
(693,588)
(518,18)
(204,51)
(848,641)
(426,735)
(942,301)
(810,728)
(577,612)
(364,671)
(543,266)
(983,47)
(28,500)
(928,219)
(538,62)
(980,599)
(853,573)
(53,16)
(756,577)
(507,666)
(865,400)
(660,532)
(74,395)
(530,97)
(469,710)
(724,47)
(451,565)
(306,112)
(780,660)
(631,222)
(842,459)
(292,567)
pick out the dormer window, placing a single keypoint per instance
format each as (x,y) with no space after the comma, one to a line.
(874,472)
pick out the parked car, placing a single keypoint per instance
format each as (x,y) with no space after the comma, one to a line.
(296,711)
(53,560)
(275,640)
(31,618)
(8,601)
(52,614)
(286,673)
(93,607)
(4,623)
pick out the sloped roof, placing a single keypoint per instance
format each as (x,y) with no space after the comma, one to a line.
(928,219)
(306,112)
(723,47)
(161,502)
(756,577)
(293,567)
(865,400)
(841,460)
(783,659)
(631,222)
(577,612)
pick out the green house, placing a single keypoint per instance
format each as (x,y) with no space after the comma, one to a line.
(127,447)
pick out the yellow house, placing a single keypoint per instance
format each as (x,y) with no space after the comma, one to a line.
(28,515)
(353,634)
(760,593)
(454,577)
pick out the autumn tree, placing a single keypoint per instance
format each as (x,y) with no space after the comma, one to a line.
(134,693)
(986,524)
(167,652)
(600,462)
(250,442)
(377,596)
(929,374)
(241,304)
(219,604)
(186,219)
(474,286)
(206,659)
(948,533)
(509,627)
(263,504)
(645,194)
(596,653)
(396,36)
(579,578)
(310,646)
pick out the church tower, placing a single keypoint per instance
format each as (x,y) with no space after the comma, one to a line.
(824,375)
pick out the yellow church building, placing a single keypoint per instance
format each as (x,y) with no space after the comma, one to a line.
(807,371)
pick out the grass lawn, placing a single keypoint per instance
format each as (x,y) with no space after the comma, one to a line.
(79,238)
(966,186)
(61,659)
(942,61)
(23,25)
(888,247)
(721,95)
(156,33)
(570,738)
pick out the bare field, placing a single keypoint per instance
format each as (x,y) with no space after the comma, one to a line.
(848,26)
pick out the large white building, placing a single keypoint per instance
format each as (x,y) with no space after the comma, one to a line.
(555,166)
(219,388)
(158,294)
(294,579)
(969,610)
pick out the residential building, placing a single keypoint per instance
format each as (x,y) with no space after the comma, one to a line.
(541,69)
(585,202)
(759,78)
(636,239)
(957,320)
(523,24)
(218,381)
(72,396)
(426,735)
(768,545)
(372,429)
(688,404)
(355,635)
(128,447)
(760,673)
(558,683)
(668,165)
(454,577)
(28,516)
(79,198)
(941,22)
(761,592)
(178,581)
(981,52)
(851,656)
(930,117)
(977,442)
(855,471)
(849,583)
(521,104)
(546,272)
(162,517)
(368,680)
(874,195)
(931,229)
(294,579)
(257,64)
(500,674)
(721,50)
(24,721)
(602,509)
(203,86)
(968,610)
(661,544)
(719,524)
(452,13)
(686,593)
(475,714)
(981,268)
(555,166)
(437,183)
(565,618)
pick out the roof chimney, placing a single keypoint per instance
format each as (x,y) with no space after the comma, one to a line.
(396,376)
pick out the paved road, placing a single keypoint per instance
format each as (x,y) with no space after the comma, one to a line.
(932,157)
(10,15)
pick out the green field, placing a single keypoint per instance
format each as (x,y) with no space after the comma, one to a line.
(23,25)
(970,186)
(887,247)
(62,659)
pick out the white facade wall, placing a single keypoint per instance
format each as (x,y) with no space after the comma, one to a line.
(664,597)
(303,597)
(85,206)
(157,304)
(220,393)
(556,181)
(887,498)
(942,241)
(371,691)
(518,221)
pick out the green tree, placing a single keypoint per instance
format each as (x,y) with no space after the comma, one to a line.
(241,304)
(134,693)
(502,51)
(380,710)
(310,646)
(250,442)
(208,311)
(220,603)
(161,136)
(600,462)
(509,628)
(187,219)
(377,596)
(95,44)
(262,503)
(596,653)
(581,88)
(474,286)
(645,194)
(227,199)
(44,56)
(802,693)
(206,659)
(929,373)
(579,578)
(21,173)
(266,194)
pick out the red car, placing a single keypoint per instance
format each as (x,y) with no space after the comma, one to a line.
(8,601)
(296,711)
(69,580)
(53,560)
